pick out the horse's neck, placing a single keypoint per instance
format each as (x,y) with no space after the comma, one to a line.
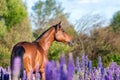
(46,40)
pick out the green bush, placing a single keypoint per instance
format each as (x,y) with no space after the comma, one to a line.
(57,49)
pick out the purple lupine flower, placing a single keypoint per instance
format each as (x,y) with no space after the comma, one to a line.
(37,74)
(92,76)
(85,75)
(55,74)
(24,76)
(119,77)
(70,67)
(62,60)
(8,69)
(113,67)
(90,66)
(115,76)
(6,76)
(109,74)
(86,61)
(48,71)
(83,61)
(63,73)
(55,71)
(31,75)
(77,68)
(80,77)
(2,74)
(58,70)
(99,62)
(53,63)
(102,72)
(106,77)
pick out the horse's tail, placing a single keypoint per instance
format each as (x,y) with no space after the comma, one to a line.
(17,62)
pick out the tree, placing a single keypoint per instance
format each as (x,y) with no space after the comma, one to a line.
(46,10)
(84,25)
(115,22)
(88,22)
(15,12)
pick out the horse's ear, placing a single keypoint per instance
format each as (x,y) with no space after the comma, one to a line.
(59,24)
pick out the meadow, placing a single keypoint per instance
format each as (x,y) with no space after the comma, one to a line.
(79,69)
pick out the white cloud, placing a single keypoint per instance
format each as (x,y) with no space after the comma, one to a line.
(88,1)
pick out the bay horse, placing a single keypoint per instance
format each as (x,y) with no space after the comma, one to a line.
(28,55)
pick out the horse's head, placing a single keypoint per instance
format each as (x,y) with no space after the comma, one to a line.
(62,36)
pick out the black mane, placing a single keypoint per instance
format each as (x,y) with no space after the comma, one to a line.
(54,26)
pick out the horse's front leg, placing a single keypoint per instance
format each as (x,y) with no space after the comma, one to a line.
(42,68)
(28,76)
(42,72)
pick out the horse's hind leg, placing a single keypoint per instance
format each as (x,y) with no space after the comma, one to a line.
(28,67)
(42,72)
(42,68)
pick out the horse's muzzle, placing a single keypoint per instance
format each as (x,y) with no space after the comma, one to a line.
(71,43)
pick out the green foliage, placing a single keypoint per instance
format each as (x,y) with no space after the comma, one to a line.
(107,59)
(12,12)
(4,60)
(15,12)
(115,57)
(116,21)
(2,29)
(44,8)
(57,49)
(4,55)
(3,7)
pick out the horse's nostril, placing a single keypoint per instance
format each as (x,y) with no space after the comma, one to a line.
(71,43)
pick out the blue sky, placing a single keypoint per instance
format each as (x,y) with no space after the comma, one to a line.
(79,8)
